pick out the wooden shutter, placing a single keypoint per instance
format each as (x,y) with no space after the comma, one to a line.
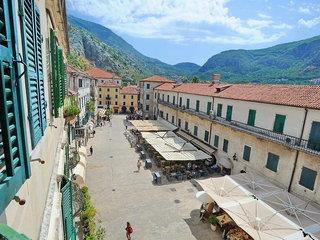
(229,113)
(206,136)
(216,141)
(251,117)
(34,75)
(188,103)
(272,162)
(67,212)
(197,105)
(279,123)
(314,137)
(208,107)
(308,178)
(246,152)
(219,110)
(225,145)
(13,169)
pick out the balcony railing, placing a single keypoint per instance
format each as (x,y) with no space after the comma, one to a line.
(287,140)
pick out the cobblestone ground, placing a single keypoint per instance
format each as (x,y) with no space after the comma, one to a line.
(121,194)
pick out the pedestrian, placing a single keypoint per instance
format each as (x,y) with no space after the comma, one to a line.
(139,165)
(94,132)
(129,231)
(91,150)
(126,127)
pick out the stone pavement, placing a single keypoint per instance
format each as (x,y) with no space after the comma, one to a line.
(121,194)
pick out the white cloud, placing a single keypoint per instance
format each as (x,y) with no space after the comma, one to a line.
(309,23)
(173,19)
(264,16)
(304,10)
(283,26)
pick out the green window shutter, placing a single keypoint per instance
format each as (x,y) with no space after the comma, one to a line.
(54,73)
(186,127)
(195,130)
(174,100)
(279,123)
(35,82)
(216,141)
(179,122)
(219,110)
(188,103)
(225,145)
(168,98)
(246,152)
(67,212)
(206,136)
(229,113)
(13,162)
(251,117)
(272,162)
(180,102)
(209,104)
(308,178)
(314,136)
(197,105)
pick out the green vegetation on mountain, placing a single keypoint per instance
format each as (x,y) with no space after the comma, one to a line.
(78,61)
(295,62)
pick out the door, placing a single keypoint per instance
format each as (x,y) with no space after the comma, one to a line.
(279,123)
(251,117)
(314,137)
(229,113)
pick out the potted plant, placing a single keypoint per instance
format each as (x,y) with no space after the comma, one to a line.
(70,109)
(213,222)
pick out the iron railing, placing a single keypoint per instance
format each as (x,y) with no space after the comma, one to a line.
(290,141)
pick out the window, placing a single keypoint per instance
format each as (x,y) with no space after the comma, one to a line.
(209,107)
(116,103)
(167,116)
(147,97)
(172,119)
(179,122)
(148,86)
(174,100)
(100,102)
(188,103)
(308,178)
(161,114)
(216,141)
(131,103)
(180,102)
(219,110)
(195,130)
(279,123)
(80,82)
(206,136)
(116,89)
(124,103)
(99,89)
(246,152)
(314,136)
(131,96)
(108,89)
(168,98)
(158,95)
(107,102)
(155,95)
(197,105)
(162,97)
(116,96)
(251,117)
(272,162)
(229,113)
(225,145)
(99,95)
(147,107)
(124,96)
(186,127)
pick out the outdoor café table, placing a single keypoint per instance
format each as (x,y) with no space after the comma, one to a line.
(224,219)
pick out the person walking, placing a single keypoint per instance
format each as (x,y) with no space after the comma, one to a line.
(129,231)
(94,133)
(91,150)
(139,165)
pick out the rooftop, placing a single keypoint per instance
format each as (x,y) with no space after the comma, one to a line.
(131,90)
(157,78)
(100,73)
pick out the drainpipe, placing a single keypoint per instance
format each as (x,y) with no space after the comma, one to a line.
(297,152)
(211,124)
(177,113)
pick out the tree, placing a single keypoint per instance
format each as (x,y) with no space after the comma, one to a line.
(195,79)
(90,106)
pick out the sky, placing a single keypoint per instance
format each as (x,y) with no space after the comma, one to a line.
(176,31)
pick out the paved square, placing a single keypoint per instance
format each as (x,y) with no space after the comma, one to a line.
(121,194)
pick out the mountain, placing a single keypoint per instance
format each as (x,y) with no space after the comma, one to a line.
(107,50)
(188,67)
(294,62)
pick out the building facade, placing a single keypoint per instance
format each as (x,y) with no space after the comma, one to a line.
(273,130)
(33,49)
(148,102)
(103,76)
(119,99)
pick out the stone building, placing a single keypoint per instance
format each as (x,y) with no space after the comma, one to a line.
(103,76)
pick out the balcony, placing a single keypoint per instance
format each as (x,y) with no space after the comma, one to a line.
(287,140)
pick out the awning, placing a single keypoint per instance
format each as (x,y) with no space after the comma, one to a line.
(153,125)
(223,159)
(204,147)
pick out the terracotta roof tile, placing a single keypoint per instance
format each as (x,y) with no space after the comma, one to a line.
(290,95)
(157,78)
(100,73)
(204,89)
(131,90)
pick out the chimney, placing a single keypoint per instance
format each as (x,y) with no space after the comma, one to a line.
(216,78)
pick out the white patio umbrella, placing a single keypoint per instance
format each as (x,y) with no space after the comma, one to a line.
(203,197)
(225,191)
(262,222)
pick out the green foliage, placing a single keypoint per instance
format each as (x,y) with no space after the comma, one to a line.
(108,113)
(88,214)
(90,106)
(70,108)
(213,220)
(195,79)
(78,61)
